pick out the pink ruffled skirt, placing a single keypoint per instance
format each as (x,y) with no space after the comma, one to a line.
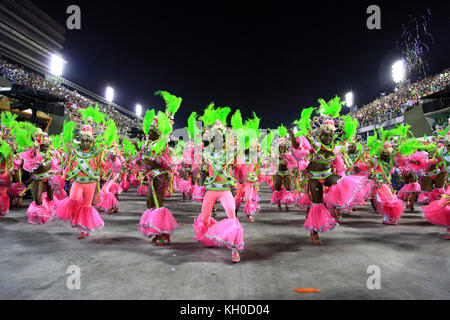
(438,212)
(387,203)
(227,232)
(142,190)
(348,193)
(409,189)
(79,217)
(198,193)
(108,202)
(320,219)
(157,222)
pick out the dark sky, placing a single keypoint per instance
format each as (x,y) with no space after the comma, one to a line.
(271,57)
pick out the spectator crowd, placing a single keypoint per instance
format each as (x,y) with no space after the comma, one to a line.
(384,108)
(17,74)
(397,103)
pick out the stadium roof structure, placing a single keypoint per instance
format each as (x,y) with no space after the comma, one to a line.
(28,33)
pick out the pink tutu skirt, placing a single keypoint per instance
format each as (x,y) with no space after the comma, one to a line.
(4,204)
(39,214)
(108,202)
(251,208)
(157,222)
(133,180)
(348,193)
(387,203)
(303,201)
(320,219)
(142,190)
(227,232)
(198,193)
(408,189)
(115,189)
(287,199)
(276,197)
(125,185)
(423,198)
(438,212)
(184,186)
(15,189)
(79,217)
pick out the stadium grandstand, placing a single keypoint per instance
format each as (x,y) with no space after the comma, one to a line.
(423,102)
(29,38)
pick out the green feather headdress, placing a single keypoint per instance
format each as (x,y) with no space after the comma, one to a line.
(350,127)
(56,141)
(222,114)
(96,115)
(282,131)
(128,148)
(236,120)
(192,126)
(164,126)
(304,124)
(148,121)
(8,119)
(253,124)
(68,133)
(209,115)
(23,132)
(5,149)
(267,142)
(332,108)
(110,133)
(173,103)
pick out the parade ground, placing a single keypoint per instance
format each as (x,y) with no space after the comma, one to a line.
(116,262)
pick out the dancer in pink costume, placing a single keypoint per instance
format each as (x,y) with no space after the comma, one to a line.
(282,180)
(411,167)
(108,201)
(384,199)
(17,186)
(434,176)
(83,169)
(155,161)
(344,193)
(38,160)
(246,166)
(210,232)
(438,212)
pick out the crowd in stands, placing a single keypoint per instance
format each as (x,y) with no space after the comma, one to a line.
(19,75)
(397,103)
(384,108)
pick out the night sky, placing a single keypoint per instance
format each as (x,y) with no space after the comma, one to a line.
(271,57)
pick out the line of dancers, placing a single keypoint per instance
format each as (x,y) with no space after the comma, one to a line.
(322,167)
